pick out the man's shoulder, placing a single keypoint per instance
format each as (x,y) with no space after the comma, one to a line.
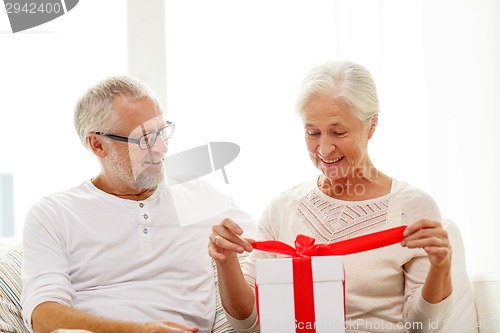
(63,203)
(76,193)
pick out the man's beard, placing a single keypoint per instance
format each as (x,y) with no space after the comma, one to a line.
(135,176)
(147,180)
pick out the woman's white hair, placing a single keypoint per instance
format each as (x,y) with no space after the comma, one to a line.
(345,82)
(94,111)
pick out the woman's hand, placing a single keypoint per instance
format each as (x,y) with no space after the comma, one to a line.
(226,238)
(236,294)
(430,236)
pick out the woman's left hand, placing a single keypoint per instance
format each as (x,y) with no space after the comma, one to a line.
(430,235)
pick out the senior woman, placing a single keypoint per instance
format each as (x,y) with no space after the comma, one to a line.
(384,288)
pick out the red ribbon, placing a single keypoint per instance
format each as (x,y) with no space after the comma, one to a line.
(302,269)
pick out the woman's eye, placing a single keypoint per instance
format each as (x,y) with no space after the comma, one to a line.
(312,134)
(340,133)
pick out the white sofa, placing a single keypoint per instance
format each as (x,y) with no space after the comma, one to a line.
(486,288)
(477,301)
(482,290)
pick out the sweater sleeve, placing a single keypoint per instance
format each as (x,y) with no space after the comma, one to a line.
(248,325)
(264,232)
(422,316)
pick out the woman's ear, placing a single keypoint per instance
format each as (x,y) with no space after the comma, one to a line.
(95,145)
(373,125)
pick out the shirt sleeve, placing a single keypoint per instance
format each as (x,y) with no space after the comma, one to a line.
(45,272)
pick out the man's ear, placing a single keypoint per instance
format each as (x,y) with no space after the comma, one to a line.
(95,145)
(373,125)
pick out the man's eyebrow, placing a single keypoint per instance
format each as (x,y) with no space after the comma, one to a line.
(152,128)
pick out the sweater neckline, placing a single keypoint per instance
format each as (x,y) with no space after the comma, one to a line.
(396,187)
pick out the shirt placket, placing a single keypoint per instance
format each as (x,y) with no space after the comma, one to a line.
(144,228)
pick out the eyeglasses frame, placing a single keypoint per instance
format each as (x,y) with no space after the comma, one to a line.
(138,141)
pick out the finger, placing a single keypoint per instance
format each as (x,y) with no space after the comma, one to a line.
(438,251)
(428,233)
(169,329)
(439,256)
(213,238)
(426,242)
(180,327)
(231,225)
(216,255)
(421,224)
(442,252)
(233,242)
(228,239)
(225,228)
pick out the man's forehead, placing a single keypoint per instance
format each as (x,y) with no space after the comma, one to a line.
(150,125)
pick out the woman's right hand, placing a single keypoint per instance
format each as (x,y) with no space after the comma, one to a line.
(226,239)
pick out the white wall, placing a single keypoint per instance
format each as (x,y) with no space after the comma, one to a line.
(232,72)
(43,71)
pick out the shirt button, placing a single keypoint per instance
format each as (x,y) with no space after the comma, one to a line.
(145,231)
(141,204)
(145,216)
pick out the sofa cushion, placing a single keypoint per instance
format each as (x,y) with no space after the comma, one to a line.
(10,290)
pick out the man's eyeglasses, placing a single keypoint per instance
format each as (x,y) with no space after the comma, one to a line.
(148,140)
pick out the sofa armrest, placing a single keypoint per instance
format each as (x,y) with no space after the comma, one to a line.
(10,289)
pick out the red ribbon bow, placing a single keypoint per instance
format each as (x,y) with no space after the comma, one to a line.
(302,269)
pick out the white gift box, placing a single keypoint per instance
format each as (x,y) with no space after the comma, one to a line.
(274,279)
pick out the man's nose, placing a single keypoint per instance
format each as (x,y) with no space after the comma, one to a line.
(161,145)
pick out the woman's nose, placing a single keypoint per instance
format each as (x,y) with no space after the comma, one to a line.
(326,146)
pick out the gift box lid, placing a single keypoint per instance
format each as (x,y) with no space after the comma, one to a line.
(279,271)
